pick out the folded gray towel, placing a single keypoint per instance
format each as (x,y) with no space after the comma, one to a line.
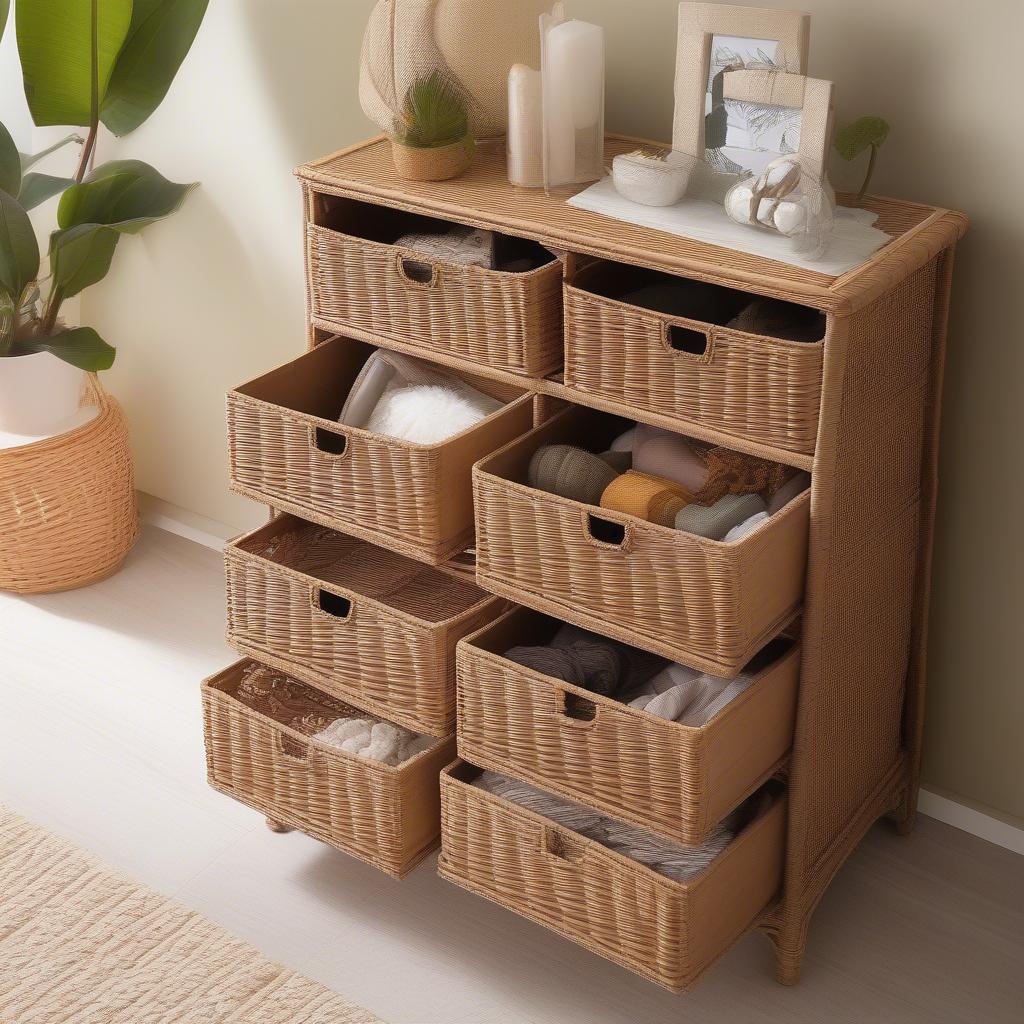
(715,521)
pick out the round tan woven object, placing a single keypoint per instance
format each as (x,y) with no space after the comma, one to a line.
(67,505)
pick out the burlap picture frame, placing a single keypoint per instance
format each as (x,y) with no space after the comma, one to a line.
(699,24)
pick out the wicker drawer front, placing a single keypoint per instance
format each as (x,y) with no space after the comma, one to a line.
(393,655)
(705,603)
(388,817)
(505,320)
(288,450)
(766,389)
(669,778)
(669,932)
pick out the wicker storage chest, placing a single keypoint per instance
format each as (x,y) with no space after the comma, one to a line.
(669,778)
(356,621)
(664,930)
(706,603)
(361,285)
(746,384)
(857,406)
(288,450)
(384,815)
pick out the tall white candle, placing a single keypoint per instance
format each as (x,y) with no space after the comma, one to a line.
(573,65)
(525,127)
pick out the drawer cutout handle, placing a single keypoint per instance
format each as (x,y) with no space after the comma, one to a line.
(561,848)
(417,273)
(689,340)
(334,605)
(607,533)
(577,712)
(329,442)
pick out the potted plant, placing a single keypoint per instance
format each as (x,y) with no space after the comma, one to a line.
(432,141)
(111,65)
(67,498)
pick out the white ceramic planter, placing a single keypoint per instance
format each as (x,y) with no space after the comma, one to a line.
(39,393)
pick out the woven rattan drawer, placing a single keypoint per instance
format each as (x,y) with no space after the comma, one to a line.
(361,284)
(387,816)
(702,602)
(766,389)
(669,778)
(287,450)
(356,621)
(669,932)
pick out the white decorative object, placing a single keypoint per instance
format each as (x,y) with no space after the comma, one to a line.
(653,179)
(572,67)
(525,127)
(39,393)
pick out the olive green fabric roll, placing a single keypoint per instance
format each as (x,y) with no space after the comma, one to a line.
(570,472)
(715,521)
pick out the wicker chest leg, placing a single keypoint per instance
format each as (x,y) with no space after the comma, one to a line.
(276,826)
(789,938)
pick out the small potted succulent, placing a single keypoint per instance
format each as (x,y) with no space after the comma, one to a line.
(126,55)
(432,141)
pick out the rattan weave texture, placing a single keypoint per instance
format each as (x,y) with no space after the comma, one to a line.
(68,514)
(387,644)
(387,816)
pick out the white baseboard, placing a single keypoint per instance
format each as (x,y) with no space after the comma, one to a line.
(213,534)
(967,819)
(182,523)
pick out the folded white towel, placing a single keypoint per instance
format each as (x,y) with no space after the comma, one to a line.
(429,413)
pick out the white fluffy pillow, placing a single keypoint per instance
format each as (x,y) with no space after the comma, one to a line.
(428,413)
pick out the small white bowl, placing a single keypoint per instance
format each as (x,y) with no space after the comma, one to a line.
(651,181)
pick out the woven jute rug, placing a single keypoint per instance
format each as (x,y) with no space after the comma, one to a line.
(80,945)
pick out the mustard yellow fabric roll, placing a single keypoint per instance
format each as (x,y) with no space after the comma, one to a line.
(646,497)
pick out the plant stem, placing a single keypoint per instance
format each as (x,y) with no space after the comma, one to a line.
(867,177)
(57,294)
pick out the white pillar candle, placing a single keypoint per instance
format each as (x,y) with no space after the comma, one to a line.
(525,127)
(573,67)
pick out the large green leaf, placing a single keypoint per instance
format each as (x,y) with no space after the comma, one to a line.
(122,194)
(160,36)
(55,41)
(79,346)
(10,162)
(5,6)
(37,188)
(19,251)
(853,139)
(80,256)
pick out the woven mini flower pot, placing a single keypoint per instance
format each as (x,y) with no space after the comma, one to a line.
(67,505)
(433,163)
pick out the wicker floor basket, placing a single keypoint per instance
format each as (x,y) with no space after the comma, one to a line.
(360,284)
(669,932)
(287,450)
(68,514)
(669,778)
(387,816)
(767,389)
(358,622)
(708,604)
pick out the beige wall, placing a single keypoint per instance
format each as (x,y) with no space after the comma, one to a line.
(214,296)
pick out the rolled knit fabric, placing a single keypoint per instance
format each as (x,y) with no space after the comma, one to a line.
(737,533)
(715,521)
(700,712)
(570,472)
(669,676)
(624,442)
(671,456)
(639,665)
(619,461)
(795,485)
(603,665)
(646,497)
(550,661)
(672,703)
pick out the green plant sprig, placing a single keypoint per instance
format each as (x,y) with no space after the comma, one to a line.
(854,138)
(433,113)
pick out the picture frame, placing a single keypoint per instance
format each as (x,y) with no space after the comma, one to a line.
(763,40)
